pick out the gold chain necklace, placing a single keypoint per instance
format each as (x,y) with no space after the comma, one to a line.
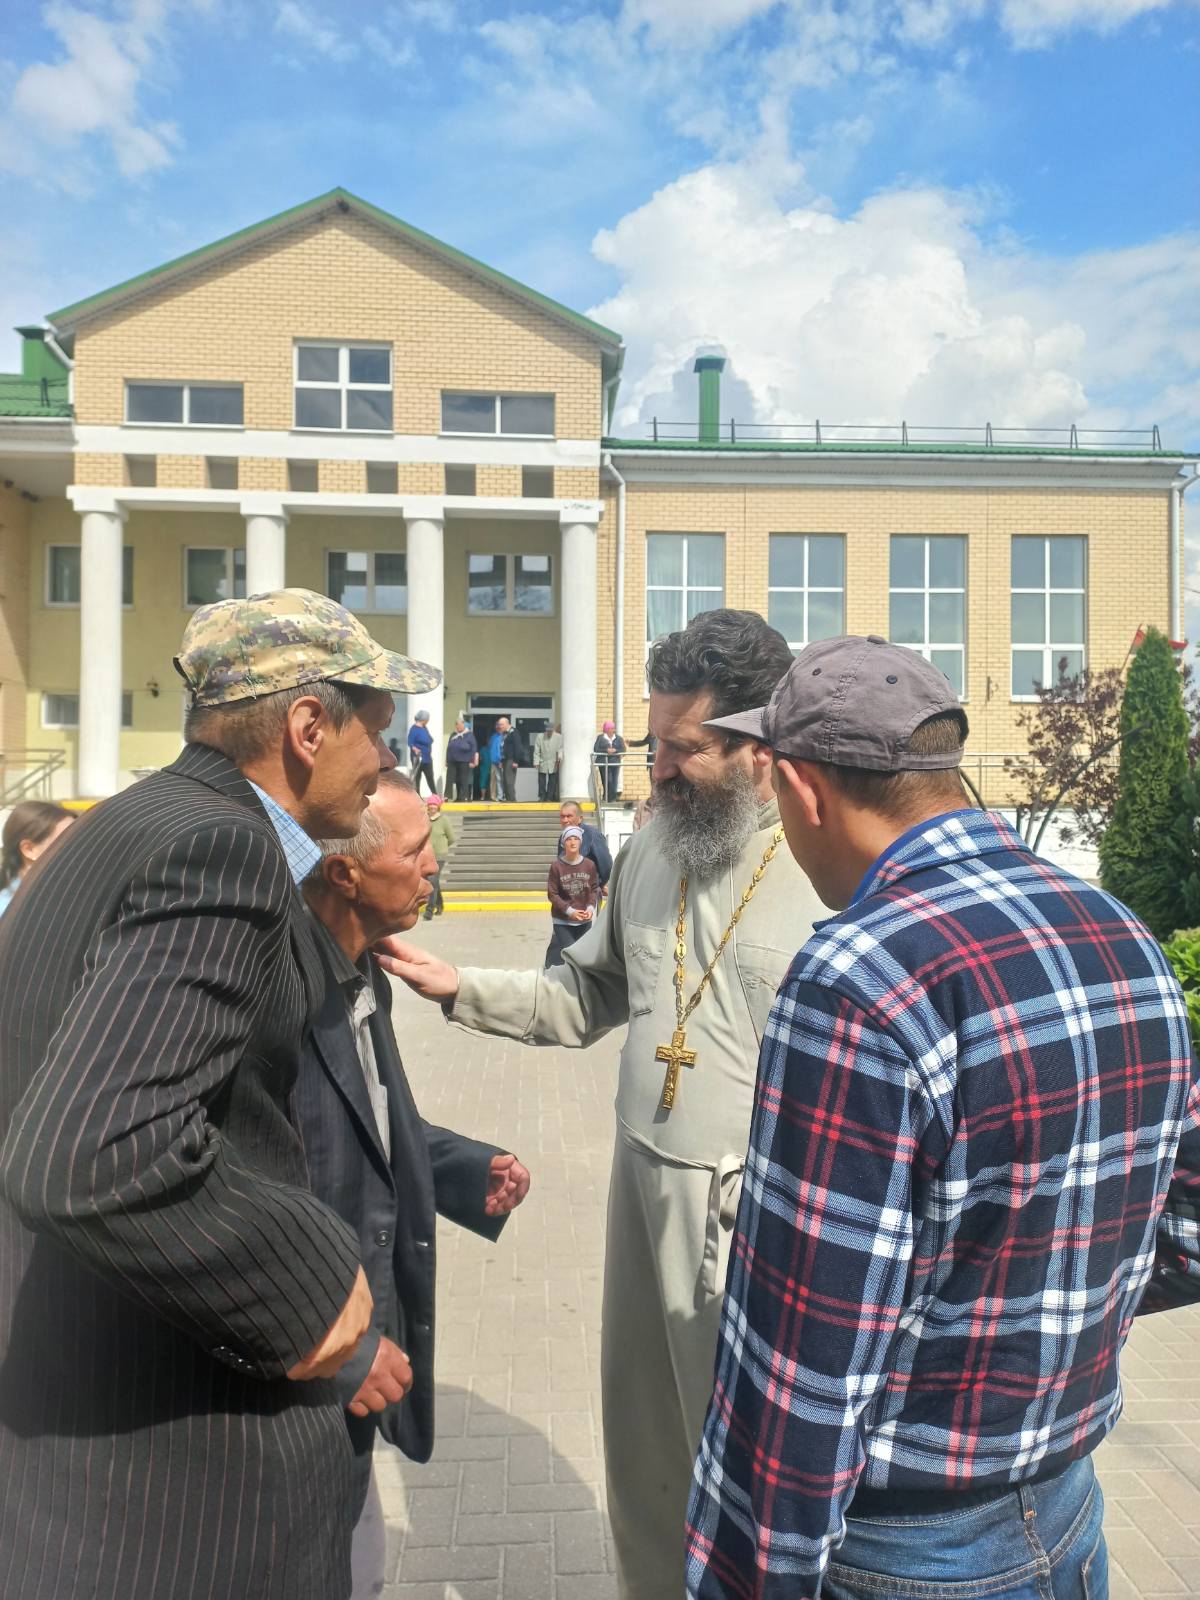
(676,1054)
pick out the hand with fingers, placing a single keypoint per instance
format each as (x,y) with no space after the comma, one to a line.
(388,1381)
(424,973)
(508,1184)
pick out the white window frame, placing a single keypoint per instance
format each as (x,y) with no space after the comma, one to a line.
(929,645)
(126,701)
(230,551)
(806,588)
(684,588)
(511,557)
(1051,650)
(371,609)
(187,385)
(342,385)
(495,433)
(73,605)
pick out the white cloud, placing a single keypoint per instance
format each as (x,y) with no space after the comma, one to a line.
(92,92)
(691,23)
(900,311)
(304,27)
(1032,23)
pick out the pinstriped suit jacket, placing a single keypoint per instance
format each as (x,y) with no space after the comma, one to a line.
(162,1263)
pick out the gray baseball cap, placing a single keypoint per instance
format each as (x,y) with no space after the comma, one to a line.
(853,702)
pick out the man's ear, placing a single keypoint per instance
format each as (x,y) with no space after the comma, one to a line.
(341,873)
(307,727)
(762,756)
(805,788)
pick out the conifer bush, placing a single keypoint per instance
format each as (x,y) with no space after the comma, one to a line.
(1137,863)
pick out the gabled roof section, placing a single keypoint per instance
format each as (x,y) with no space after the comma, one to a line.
(338,199)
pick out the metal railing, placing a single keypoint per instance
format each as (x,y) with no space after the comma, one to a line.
(34,397)
(904,434)
(28,774)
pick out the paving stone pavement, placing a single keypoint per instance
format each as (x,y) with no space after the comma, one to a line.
(512,1505)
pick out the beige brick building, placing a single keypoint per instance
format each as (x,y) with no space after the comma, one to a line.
(335,400)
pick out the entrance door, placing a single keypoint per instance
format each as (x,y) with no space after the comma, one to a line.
(529,714)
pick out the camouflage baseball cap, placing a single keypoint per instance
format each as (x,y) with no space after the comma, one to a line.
(241,649)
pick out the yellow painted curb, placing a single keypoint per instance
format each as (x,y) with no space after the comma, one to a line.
(537,906)
(524,807)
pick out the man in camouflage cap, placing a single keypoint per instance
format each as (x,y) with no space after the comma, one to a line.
(156,980)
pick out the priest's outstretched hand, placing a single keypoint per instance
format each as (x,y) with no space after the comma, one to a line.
(423,973)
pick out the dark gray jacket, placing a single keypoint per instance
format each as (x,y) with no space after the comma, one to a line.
(393,1205)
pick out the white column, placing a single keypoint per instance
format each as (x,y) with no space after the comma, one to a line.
(266,546)
(426,623)
(577,605)
(100,651)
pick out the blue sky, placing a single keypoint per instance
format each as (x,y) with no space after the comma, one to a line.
(948,210)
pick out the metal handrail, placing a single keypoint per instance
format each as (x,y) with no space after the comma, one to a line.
(36,774)
(904,433)
(40,394)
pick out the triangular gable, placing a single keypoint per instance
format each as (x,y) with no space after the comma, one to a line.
(65,320)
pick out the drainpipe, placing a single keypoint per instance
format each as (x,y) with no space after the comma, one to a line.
(710,369)
(619,608)
(1175,567)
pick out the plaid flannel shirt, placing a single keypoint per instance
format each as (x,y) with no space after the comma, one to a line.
(970,1092)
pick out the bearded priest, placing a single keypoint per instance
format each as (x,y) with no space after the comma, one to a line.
(704,915)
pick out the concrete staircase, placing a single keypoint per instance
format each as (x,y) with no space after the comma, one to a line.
(500,858)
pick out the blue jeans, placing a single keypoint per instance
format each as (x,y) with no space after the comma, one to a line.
(1041,1542)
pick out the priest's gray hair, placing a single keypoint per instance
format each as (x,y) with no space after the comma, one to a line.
(372,834)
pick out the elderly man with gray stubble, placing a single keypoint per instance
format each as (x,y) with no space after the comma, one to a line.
(372,1158)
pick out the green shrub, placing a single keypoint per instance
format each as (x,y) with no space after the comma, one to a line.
(1183,952)
(1137,861)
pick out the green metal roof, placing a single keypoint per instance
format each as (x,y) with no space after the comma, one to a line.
(888,447)
(338,197)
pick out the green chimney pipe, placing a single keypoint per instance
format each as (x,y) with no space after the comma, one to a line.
(710,369)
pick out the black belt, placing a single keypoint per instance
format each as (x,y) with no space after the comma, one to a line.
(915,1500)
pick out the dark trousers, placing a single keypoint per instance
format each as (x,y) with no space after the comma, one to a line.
(435,905)
(458,780)
(552,785)
(423,769)
(563,934)
(544,784)
(610,774)
(509,780)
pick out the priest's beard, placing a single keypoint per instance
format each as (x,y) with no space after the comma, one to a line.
(703,828)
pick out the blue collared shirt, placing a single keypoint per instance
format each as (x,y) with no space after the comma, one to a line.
(302,854)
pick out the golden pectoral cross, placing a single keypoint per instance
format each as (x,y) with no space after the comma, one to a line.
(676,1055)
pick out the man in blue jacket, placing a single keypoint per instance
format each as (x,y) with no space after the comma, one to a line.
(420,751)
(371,1157)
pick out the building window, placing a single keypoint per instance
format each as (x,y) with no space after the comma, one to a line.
(382,477)
(195,405)
(347,387)
(806,599)
(213,573)
(460,480)
(141,472)
(529,415)
(302,477)
(537,483)
(504,585)
(62,710)
(222,472)
(1049,612)
(685,575)
(927,603)
(62,575)
(367,580)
